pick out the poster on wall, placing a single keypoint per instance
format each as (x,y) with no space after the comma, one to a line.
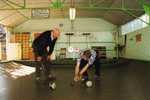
(138,38)
(2,34)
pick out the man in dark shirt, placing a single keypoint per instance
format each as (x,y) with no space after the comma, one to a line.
(43,47)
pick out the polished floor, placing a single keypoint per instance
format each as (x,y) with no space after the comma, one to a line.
(127,81)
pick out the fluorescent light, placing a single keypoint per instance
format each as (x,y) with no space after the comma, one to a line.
(72,13)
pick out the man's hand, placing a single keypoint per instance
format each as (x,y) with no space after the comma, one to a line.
(77,77)
(80,75)
(84,69)
(39,58)
(49,57)
(47,48)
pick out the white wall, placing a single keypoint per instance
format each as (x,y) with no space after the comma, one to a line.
(101,31)
(80,25)
(138,50)
(79,41)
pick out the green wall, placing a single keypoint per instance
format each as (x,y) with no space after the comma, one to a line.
(138,50)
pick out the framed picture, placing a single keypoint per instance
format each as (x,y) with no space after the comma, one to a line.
(138,38)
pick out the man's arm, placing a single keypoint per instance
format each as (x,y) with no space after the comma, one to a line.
(77,69)
(51,46)
(90,62)
(76,77)
(84,69)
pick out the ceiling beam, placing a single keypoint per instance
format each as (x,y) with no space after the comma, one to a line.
(122,4)
(13,3)
(3,6)
(15,9)
(7,16)
(111,8)
(22,22)
(106,11)
(137,17)
(94,3)
(6,25)
(82,8)
(24,2)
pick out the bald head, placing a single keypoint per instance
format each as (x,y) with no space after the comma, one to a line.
(56,32)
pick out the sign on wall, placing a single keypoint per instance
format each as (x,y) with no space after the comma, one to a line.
(40,13)
(138,38)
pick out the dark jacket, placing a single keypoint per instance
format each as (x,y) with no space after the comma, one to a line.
(41,43)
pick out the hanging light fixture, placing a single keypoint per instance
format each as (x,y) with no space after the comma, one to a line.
(72,13)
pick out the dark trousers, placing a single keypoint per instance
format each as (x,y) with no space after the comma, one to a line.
(97,66)
(43,64)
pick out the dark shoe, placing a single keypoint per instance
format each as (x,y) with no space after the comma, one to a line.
(85,78)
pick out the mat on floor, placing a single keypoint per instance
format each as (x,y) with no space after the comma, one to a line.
(16,70)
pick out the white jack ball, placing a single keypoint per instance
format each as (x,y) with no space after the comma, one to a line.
(89,84)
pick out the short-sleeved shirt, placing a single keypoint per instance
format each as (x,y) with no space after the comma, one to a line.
(91,59)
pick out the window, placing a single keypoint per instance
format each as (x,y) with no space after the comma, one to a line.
(136,24)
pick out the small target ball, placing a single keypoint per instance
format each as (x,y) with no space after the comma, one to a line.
(89,84)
